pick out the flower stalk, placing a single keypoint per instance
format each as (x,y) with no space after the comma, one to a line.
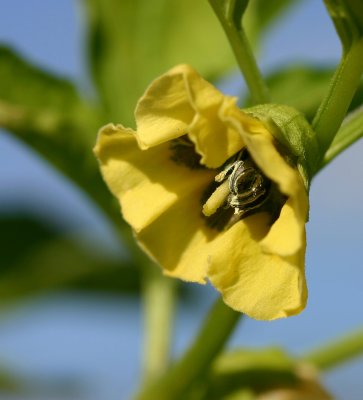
(335,105)
(159,307)
(350,132)
(229,13)
(208,343)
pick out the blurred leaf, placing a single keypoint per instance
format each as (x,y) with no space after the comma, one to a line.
(261,14)
(9,382)
(131,42)
(34,100)
(47,113)
(303,87)
(35,258)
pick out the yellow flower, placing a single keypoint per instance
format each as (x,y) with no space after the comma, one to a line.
(210,195)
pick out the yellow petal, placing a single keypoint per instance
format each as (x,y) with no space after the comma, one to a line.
(146,183)
(164,112)
(263,286)
(286,235)
(179,239)
(181,102)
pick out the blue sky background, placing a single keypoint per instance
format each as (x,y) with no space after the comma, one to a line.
(96,341)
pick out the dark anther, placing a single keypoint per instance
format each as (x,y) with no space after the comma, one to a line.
(183,153)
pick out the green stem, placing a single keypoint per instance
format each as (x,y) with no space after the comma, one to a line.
(229,13)
(350,132)
(159,305)
(335,105)
(210,340)
(335,353)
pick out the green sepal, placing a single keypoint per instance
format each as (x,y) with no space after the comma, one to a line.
(347,16)
(291,129)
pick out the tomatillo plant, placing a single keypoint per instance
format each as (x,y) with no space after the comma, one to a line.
(218,193)
(214,188)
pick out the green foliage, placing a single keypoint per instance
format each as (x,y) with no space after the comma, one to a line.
(9,383)
(36,257)
(34,100)
(47,113)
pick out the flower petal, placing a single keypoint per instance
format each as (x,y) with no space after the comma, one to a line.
(263,286)
(286,235)
(181,102)
(179,239)
(164,112)
(146,183)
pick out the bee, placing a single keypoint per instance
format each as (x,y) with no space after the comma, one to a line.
(249,188)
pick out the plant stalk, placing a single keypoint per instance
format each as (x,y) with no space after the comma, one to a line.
(195,362)
(334,107)
(229,13)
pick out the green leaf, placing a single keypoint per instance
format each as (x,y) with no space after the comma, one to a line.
(131,42)
(36,258)
(347,16)
(47,113)
(34,100)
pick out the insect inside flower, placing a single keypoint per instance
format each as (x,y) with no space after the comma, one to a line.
(248,187)
(239,189)
(216,177)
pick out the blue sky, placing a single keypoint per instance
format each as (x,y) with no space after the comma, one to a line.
(98,340)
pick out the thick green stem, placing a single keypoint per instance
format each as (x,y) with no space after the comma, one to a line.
(335,105)
(230,19)
(350,132)
(159,305)
(210,340)
(338,352)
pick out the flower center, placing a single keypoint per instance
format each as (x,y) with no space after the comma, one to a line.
(239,190)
